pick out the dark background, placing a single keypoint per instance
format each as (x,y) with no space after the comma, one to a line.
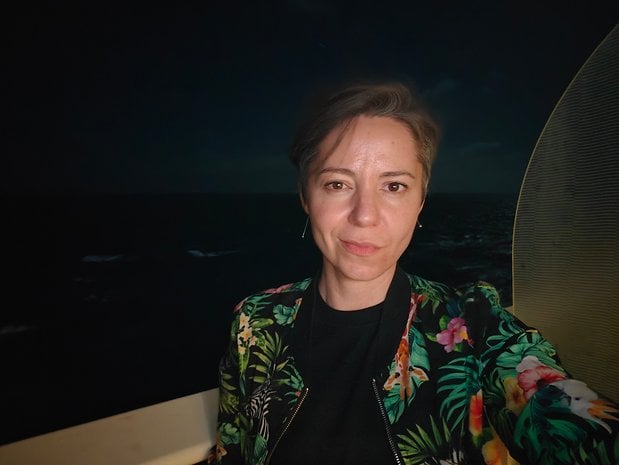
(204,96)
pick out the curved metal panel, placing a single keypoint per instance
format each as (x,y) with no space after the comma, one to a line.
(566,232)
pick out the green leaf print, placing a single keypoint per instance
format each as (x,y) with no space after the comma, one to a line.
(434,447)
(260,323)
(434,292)
(229,433)
(530,343)
(254,304)
(245,425)
(419,354)
(459,379)
(295,384)
(301,285)
(284,315)
(260,449)
(444,321)
(506,330)
(270,350)
(228,401)
(595,455)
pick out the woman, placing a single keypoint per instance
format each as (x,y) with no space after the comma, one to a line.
(367,364)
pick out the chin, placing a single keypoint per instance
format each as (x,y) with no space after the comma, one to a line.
(364,272)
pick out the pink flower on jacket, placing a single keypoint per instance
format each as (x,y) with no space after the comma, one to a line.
(533,374)
(455,333)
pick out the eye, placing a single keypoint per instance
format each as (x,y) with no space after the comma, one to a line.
(396,187)
(335,185)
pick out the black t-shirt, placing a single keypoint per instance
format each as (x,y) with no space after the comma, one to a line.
(339,421)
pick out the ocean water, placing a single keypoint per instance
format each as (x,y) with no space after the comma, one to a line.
(117,302)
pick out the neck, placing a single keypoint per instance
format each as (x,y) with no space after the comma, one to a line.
(342,293)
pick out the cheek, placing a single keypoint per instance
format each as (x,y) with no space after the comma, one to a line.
(324,207)
(405,224)
(323,219)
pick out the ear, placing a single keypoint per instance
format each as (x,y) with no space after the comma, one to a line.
(302,199)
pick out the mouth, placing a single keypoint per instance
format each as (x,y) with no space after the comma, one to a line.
(362,249)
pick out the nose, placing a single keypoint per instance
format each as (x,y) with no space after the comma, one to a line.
(365,208)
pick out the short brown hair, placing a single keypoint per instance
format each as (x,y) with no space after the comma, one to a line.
(390,100)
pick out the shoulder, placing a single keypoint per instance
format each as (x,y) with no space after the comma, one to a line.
(477,304)
(482,301)
(421,285)
(285,294)
(432,293)
(476,292)
(261,314)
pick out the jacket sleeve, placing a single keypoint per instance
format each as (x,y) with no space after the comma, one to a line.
(534,410)
(227,448)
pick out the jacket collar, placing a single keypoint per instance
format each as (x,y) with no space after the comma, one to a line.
(392,323)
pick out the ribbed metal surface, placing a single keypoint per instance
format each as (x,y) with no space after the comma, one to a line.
(566,233)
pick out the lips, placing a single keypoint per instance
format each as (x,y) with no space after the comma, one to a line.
(362,249)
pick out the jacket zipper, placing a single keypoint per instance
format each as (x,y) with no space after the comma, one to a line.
(294,414)
(383,414)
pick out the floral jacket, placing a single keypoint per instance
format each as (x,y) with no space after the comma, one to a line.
(458,380)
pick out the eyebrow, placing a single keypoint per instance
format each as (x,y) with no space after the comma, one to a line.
(336,170)
(393,174)
(386,174)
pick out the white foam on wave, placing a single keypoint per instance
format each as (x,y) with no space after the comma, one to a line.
(199,254)
(14,329)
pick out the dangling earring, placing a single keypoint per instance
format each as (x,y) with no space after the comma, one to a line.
(419,225)
(305,228)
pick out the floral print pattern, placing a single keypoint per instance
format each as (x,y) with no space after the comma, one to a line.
(532,374)
(453,335)
(469,383)
(284,315)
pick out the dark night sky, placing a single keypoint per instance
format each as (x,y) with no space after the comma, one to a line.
(202,99)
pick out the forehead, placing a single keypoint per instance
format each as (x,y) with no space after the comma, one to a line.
(369,138)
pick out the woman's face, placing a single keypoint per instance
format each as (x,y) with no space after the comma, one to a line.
(363,197)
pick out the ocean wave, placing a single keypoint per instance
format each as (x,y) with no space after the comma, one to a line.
(15,329)
(219,253)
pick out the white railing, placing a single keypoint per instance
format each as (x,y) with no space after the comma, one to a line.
(177,432)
